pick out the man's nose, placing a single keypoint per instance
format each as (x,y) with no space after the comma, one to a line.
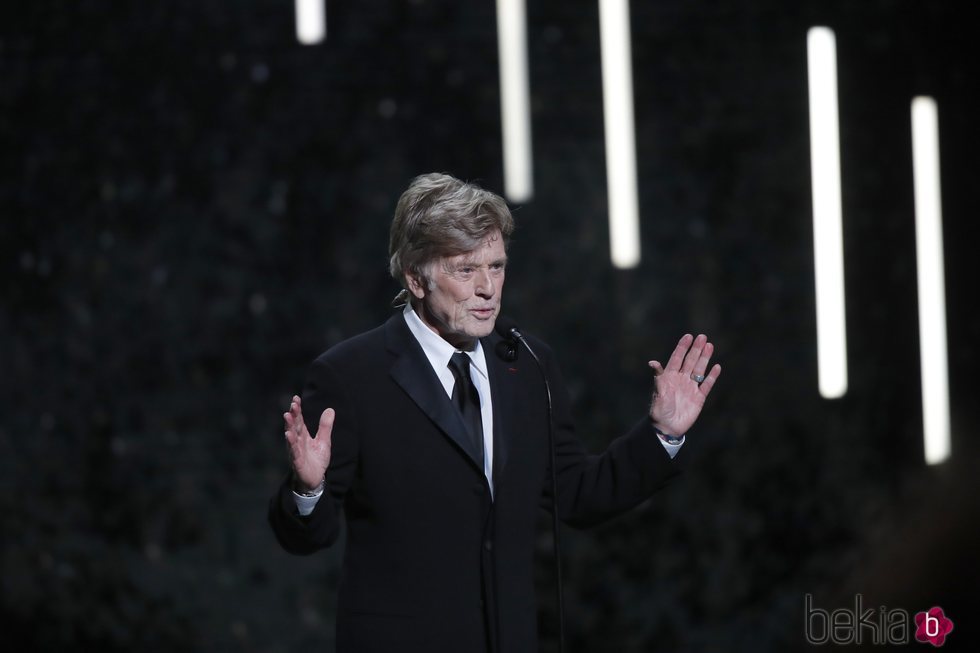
(484,283)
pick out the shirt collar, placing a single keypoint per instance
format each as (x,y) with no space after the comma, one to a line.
(437,350)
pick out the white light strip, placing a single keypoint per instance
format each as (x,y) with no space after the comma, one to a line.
(515,105)
(828,241)
(617,105)
(311,21)
(931,284)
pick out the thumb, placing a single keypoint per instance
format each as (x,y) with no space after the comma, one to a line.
(325,427)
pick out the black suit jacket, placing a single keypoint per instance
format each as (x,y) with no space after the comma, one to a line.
(433,563)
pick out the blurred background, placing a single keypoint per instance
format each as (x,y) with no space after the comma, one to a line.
(194,205)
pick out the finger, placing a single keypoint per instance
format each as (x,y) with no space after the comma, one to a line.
(703,360)
(293,426)
(657,368)
(292,421)
(709,381)
(325,427)
(693,354)
(296,410)
(677,357)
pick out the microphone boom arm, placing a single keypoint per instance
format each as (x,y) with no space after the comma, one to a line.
(511,332)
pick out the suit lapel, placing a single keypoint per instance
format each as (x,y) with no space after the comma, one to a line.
(504,390)
(413,372)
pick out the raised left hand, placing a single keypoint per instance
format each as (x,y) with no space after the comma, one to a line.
(677,397)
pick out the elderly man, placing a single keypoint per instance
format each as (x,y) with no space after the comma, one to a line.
(435,448)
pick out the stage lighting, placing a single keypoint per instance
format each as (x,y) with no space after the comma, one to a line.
(515,103)
(931,283)
(311,21)
(828,241)
(617,105)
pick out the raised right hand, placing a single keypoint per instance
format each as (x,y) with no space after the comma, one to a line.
(309,456)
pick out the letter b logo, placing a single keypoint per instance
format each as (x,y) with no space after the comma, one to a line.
(817,626)
(933,626)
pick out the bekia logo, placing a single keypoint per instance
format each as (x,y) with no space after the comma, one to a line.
(932,626)
(882,626)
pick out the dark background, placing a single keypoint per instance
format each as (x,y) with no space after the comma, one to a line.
(194,206)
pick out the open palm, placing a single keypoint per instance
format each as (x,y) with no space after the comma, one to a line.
(309,456)
(678,397)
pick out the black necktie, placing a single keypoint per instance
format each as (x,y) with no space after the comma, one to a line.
(467,400)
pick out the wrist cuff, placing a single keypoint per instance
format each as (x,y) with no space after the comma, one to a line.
(315,492)
(669,439)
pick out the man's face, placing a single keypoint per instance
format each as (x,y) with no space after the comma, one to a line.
(462,299)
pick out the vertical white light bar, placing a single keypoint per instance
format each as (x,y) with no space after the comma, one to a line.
(311,21)
(515,104)
(828,241)
(931,284)
(617,105)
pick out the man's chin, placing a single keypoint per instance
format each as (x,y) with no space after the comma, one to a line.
(486,327)
(483,328)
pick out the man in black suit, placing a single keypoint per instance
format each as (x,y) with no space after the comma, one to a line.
(436,448)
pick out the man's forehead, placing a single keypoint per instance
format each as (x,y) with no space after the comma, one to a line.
(492,249)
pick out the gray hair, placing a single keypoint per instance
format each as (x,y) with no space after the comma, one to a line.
(440,216)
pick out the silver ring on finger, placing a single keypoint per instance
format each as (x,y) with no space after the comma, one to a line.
(698,378)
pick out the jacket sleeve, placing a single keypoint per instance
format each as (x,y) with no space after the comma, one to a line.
(595,488)
(320,529)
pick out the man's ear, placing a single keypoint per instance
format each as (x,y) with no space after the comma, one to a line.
(416,285)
